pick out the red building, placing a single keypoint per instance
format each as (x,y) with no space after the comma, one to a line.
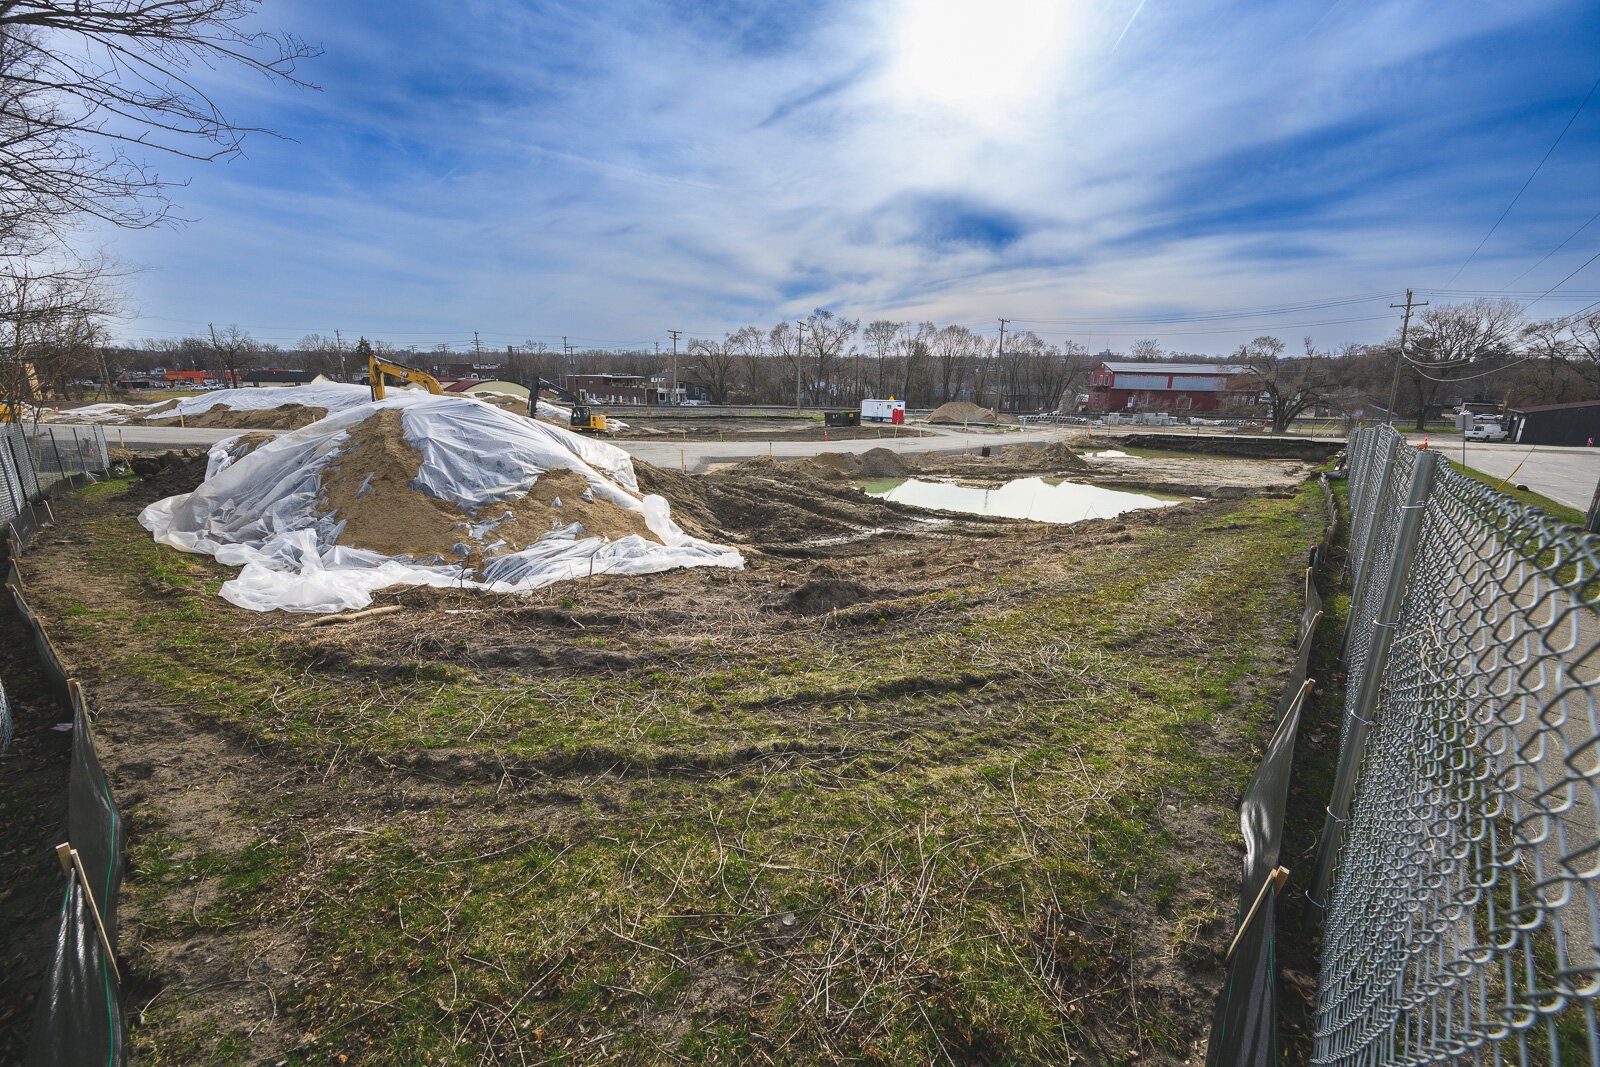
(1173,387)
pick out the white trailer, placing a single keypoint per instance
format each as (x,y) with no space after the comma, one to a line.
(890,410)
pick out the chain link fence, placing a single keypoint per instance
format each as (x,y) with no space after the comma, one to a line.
(33,458)
(1456,878)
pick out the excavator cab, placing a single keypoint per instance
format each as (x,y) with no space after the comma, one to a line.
(585,421)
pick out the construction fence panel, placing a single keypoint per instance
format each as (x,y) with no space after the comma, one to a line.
(1458,898)
(19,479)
(68,452)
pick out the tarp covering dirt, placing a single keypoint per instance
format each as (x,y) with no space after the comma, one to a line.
(422,490)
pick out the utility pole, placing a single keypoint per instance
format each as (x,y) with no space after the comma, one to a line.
(675,334)
(338,346)
(1405,328)
(477,347)
(1001,361)
(799,354)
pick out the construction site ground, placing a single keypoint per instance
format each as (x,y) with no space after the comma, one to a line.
(909,788)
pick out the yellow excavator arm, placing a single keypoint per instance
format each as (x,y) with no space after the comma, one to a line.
(378,369)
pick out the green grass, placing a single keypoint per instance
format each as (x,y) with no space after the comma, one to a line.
(871,842)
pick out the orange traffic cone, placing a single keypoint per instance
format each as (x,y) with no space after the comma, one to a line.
(1424,442)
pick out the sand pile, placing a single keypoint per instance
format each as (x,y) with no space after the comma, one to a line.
(961,413)
(1051,457)
(882,463)
(421,490)
(370,491)
(283,417)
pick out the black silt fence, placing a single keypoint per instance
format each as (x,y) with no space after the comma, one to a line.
(1244,1025)
(80,1018)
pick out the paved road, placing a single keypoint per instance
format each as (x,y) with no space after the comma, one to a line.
(693,455)
(1567,475)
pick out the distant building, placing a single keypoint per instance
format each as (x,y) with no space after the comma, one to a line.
(1557,424)
(272,377)
(1172,387)
(637,389)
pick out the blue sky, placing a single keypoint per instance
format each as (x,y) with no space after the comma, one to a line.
(609,170)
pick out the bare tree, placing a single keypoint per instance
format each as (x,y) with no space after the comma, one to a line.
(1452,343)
(880,336)
(232,351)
(826,336)
(712,364)
(88,87)
(1289,385)
(1146,350)
(50,323)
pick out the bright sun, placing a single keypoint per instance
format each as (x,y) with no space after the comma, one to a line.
(978,56)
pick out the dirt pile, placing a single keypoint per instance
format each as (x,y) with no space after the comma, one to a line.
(822,595)
(774,503)
(167,474)
(882,463)
(369,487)
(222,417)
(960,413)
(1054,456)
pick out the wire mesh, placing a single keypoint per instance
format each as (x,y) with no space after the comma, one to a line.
(19,478)
(1460,925)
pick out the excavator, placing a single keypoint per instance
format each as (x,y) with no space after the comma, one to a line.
(582,419)
(379,368)
(585,421)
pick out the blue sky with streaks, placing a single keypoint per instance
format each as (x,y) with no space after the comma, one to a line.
(608,170)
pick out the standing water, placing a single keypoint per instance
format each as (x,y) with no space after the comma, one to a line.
(1039,499)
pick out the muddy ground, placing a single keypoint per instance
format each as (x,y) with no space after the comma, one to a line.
(909,787)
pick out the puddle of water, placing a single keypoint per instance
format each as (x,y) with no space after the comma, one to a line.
(1039,499)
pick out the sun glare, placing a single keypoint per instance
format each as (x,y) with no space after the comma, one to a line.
(978,56)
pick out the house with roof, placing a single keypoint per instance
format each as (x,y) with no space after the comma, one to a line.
(1125,386)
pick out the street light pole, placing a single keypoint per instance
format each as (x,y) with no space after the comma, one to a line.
(799,354)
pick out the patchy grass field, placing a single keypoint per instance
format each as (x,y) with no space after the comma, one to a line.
(956,792)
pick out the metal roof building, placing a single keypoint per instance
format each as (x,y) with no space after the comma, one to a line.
(1557,424)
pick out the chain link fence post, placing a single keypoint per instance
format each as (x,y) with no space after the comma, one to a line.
(1360,714)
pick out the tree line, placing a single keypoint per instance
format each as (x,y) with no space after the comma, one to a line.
(1479,350)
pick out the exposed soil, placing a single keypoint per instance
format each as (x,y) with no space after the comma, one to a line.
(370,488)
(960,413)
(260,917)
(222,417)
(697,430)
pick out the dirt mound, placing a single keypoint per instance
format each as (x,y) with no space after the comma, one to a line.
(959,413)
(823,595)
(690,508)
(222,417)
(882,463)
(835,464)
(370,488)
(167,474)
(1054,456)
(772,502)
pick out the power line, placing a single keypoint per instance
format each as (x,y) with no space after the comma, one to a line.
(1554,250)
(1527,183)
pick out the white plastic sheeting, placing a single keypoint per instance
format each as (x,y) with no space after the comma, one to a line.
(265,512)
(334,396)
